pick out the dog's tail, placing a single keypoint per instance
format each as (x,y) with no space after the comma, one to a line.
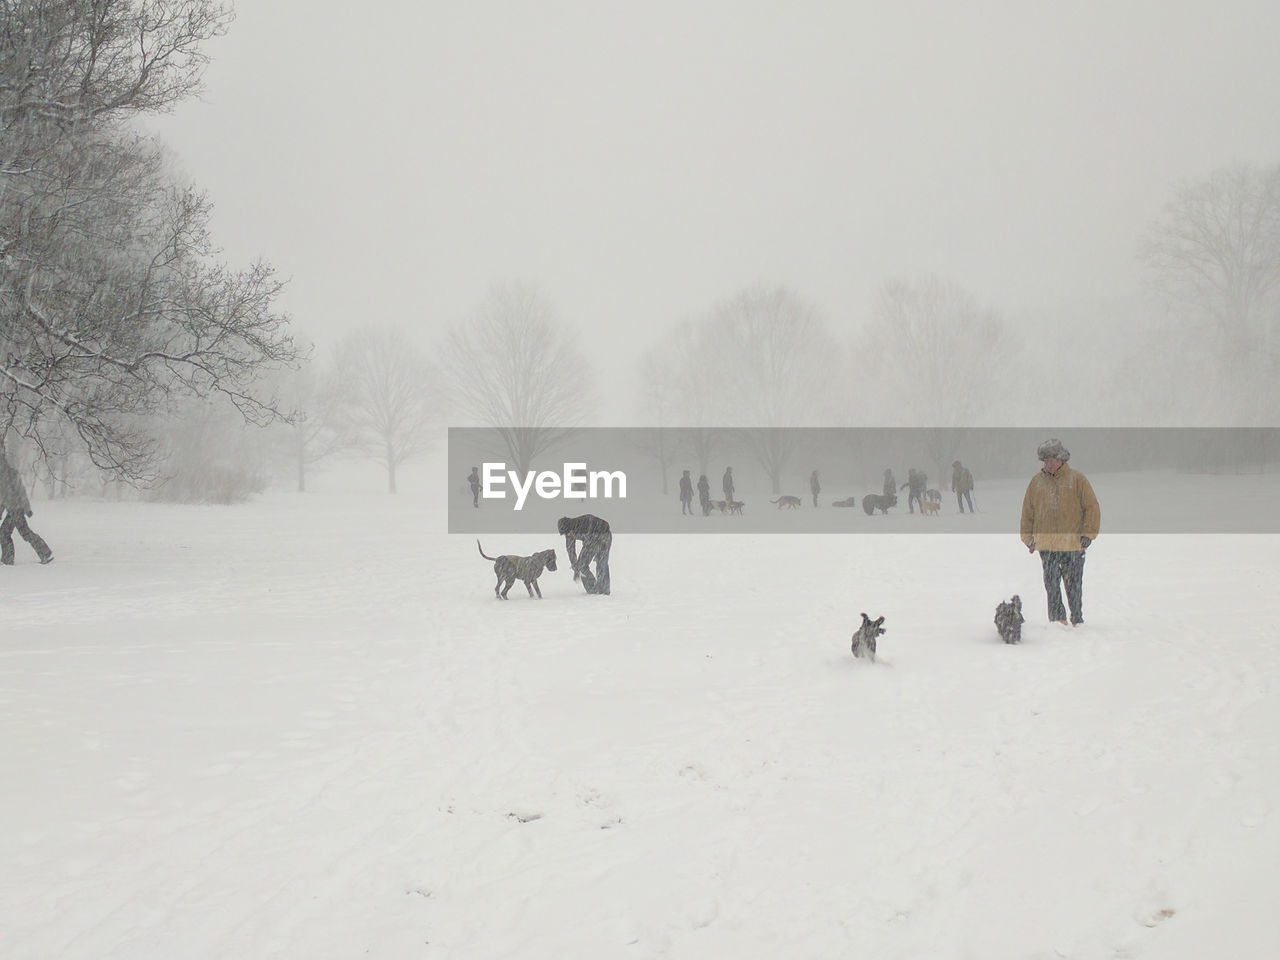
(482,553)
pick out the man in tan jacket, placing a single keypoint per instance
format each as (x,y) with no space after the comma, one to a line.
(1060,518)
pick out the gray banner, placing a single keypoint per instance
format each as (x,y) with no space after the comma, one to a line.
(1158,480)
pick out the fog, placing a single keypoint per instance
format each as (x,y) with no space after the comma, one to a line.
(640,164)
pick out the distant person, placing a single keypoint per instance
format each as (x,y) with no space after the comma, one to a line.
(16,508)
(686,494)
(1060,518)
(814,486)
(915,486)
(962,485)
(473,478)
(596,540)
(704,494)
(726,484)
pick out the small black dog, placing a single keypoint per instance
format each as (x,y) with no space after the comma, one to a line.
(878,501)
(864,639)
(1009,620)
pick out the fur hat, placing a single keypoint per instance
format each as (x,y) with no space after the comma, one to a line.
(1053,450)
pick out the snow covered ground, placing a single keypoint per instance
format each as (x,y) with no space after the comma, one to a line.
(305,728)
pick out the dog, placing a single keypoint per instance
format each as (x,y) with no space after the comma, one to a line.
(735,506)
(847,502)
(721,505)
(933,495)
(1009,620)
(511,568)
(929,508)
(792,502)
(878,501)
(864,638)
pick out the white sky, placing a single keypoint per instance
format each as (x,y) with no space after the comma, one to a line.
(641,161)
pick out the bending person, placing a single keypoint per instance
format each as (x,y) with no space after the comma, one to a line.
(596,539)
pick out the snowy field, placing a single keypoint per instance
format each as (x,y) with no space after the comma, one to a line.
(304,728)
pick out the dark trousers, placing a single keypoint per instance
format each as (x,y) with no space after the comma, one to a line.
(686,505)
(595,549)
(17,520)
(962,497)
(1064,568)
(475,494)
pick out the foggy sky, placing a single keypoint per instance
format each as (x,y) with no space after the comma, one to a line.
(641,161)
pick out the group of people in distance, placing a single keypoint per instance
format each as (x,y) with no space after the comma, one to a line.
(705,502)
(917,484)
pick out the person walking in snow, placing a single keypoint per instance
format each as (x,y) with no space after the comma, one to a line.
(915,486)
(814,487)
(962,485)
(15,507)
(726,484)
(1060,518)
(686,494)
(704,494)
(473,478)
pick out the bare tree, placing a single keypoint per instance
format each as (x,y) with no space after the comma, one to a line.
(111,296)
(660,388)
(768,363)
(1215,255)
(941,360)
(383,397)
(315,428)
(210,454)
(514,368)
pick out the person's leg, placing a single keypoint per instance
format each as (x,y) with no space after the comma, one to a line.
(969,497)
(34,539)
(602,565)
(6,538)
(1052,562)
(1073,578)
(589,551)
(960,500)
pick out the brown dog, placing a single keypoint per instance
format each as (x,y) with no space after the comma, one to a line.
(510,568)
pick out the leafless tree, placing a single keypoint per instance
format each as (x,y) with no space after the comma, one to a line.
(514,368)
(1215,255)
(767,362)
(111,296)
(210,455)
(315,428)
(659,385)
(933,356)
(383,396)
